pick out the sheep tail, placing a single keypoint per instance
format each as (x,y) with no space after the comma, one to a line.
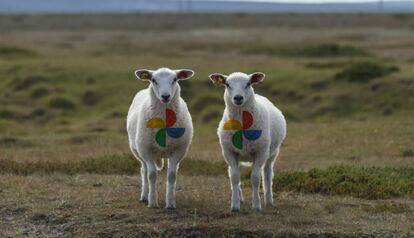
(159,163)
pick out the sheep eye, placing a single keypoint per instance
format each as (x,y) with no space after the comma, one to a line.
(174,81)
(227,85)
(248,84)
(153,81)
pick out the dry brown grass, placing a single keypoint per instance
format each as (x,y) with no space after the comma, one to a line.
(89,205)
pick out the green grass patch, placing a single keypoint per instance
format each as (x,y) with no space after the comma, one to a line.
(362,72)
(407,153)
(40,92)
(361,182)
(324,50)
(24,83)
(62,103)
(329,50)
(367,183)
(90,98)
(12,51)
(114,164)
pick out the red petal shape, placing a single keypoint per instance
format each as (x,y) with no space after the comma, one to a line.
(247,120)
(170,117)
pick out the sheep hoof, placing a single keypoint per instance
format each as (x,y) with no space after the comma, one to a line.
(170,208)
(143,200)
(154,205)
(235,209)
(258,209)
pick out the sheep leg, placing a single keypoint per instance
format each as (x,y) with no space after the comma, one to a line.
(268,179)
(255,179)
(152,178)
(234,175)
(144,183)
(171,182)
(241,194)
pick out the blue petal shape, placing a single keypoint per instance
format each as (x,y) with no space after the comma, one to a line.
(252,134)
(175,132)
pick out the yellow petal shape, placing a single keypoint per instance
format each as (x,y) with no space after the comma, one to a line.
(155,122)
(232,125)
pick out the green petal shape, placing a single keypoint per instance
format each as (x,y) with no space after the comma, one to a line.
(161,137)
(237,140)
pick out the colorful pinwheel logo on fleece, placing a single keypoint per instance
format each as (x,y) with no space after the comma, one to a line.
(242,129)
(165,127)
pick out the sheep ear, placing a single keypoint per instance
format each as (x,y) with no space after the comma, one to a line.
(143,74)
(257,77)
(184,74)
(218,79)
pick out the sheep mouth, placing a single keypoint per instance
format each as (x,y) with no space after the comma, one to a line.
(165,101)
(238,103)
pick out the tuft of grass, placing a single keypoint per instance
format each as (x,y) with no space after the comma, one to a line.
(330,50)
(362,72)
(62,103)
(367,183)
(90,98)
(27,82)
(8,114)
(39,92)
(12,51)
(407,153)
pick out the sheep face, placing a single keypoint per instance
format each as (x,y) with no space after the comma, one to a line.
(164,81)
(238,86)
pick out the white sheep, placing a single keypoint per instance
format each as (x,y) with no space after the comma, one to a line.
(252,130)
(159,126)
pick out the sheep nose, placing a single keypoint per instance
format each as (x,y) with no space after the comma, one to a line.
(238,99)
(165,97)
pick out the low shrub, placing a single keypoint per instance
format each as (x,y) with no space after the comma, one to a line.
(62,103)
(362,72)
(39,92)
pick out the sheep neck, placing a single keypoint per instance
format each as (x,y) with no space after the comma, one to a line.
(236,111)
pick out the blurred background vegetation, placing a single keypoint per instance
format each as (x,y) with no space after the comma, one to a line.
(344,82)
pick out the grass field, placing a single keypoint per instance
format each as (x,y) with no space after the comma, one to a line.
(344,82)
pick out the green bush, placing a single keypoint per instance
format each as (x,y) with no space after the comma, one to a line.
(8,114)
(364,72)
(407,153)
(39,92)
(62,103)
(27,82)
(11,51)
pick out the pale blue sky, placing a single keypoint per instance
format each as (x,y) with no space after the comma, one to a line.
(316,1)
